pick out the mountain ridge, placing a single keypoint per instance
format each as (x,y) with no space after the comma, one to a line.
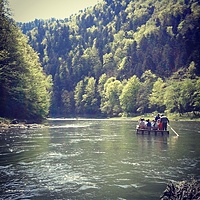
(119,38)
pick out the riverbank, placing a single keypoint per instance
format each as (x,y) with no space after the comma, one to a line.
(171,116)
(10,124)
(7,124)
(20,126)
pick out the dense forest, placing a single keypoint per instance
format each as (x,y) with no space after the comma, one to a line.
(122,58)
(24,88)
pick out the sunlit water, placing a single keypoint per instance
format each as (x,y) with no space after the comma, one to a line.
(95,159)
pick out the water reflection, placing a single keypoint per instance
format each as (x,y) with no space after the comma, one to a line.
(152,141)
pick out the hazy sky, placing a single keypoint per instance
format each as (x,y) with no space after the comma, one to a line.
(28,10)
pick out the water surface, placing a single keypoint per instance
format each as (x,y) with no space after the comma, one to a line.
(95,159)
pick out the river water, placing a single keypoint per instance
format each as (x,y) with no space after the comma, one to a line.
(95,159)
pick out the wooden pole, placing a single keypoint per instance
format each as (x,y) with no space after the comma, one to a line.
(173,130)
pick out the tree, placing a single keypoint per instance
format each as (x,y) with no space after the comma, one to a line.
(128,97)
(90,97)
(120,39)
(110,103)
(86,97)
(78,94)
(68,102)
(102,80)
(24,88)
(188,95)
(172,97)
(197,98)
(156,101)
(92,63)
(109,64)
(147,79)
(182,91)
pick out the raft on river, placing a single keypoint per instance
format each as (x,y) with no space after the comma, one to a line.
(151,132)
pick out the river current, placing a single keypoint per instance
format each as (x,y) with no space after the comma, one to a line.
(95,159)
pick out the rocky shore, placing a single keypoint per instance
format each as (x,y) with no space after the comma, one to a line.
(20,126)
(185,190)
(14,124)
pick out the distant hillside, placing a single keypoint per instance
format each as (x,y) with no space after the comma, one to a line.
(118,38)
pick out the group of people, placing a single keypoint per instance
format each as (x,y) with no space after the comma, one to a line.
(159,123)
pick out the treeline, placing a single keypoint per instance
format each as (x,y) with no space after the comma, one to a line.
(112,97)
(24,88)
(110,46)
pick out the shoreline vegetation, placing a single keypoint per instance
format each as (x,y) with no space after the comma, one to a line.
(23,124)
(171,116)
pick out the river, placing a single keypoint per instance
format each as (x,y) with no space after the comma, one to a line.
(95,159)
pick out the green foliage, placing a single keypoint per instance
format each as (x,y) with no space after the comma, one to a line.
(128,97)
(110,103)
(78,94)
(148,79)
(196,104)
(150,40)
(68,102)
(172,98)
(90,97)
(24,88)
(182,96)
(188,94)
(156,100)
(86,97)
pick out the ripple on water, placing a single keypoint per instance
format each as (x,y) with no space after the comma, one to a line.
(107,162)
(130,163)
(87,187)
(70,126)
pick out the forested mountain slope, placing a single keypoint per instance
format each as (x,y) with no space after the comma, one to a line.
(94,54)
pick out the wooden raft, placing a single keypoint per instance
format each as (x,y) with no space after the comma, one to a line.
(150,132)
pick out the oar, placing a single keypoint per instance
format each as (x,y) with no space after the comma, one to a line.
(173,130)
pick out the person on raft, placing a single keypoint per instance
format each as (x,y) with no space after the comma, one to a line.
(164,120)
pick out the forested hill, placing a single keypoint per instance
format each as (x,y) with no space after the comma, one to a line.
(93,55)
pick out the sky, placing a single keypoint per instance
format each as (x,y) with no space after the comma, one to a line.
(28,10)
